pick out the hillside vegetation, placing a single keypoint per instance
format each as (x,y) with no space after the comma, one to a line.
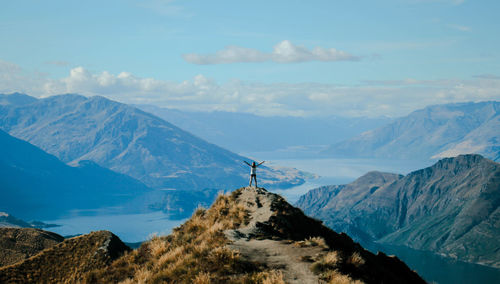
(224,244)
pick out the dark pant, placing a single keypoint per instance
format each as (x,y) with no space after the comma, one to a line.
(254,177)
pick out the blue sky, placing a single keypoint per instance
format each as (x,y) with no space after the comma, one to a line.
(351,58)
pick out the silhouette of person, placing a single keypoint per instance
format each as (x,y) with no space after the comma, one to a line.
(253,171)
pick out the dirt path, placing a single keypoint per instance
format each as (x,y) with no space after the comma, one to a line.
(287,258)
(280,255)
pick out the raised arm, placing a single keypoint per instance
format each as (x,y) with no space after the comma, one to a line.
(260,163)
(247,163)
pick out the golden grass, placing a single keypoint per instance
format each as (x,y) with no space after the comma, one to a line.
(356,259)
(273,277)
(335,277)
(312,242)
(329,267)
(332,258)
(195,252)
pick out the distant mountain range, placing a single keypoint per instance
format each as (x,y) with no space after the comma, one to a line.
(451,208)
(35,184)
(431,133)
(9,221)
(129,141)
(232,130)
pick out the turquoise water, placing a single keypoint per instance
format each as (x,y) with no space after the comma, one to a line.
(129,227)
(437,269)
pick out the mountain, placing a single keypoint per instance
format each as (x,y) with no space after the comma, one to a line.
(68,261)
(9,221)
(129,141)
(231,130)
(451,208)
(35,184)
(253,236)
(19,244)
(433,132)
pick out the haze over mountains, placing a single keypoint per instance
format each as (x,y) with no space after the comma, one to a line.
(129,141)
(451,208)
(232,130)
(431,133)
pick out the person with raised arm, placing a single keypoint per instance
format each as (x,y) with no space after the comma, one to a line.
(253,171)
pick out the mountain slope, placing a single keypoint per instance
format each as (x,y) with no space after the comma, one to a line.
(451,208)
(253,236)
(35,184)
(127,140)
(68,261)
(433,132)
(17,244)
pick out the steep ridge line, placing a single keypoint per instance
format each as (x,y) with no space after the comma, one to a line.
(277,232)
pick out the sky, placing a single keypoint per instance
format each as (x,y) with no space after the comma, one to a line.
(299,58)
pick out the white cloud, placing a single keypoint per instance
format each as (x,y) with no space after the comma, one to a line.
(283,52)
(370,98)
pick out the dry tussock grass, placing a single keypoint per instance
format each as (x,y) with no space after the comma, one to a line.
(329,267)
(273,277)
(356,259)
(312,242)
(332,258)
(195,252)
(335,277)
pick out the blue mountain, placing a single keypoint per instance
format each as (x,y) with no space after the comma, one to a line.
(35,184)
(431,133)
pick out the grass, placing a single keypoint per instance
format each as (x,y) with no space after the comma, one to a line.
(329,267)
(195,252)
(66,262)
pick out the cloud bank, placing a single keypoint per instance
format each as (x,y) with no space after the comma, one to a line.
(283,52)
(369,98)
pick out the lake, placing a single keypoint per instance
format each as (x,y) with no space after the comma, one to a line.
(130,228)
(339,171)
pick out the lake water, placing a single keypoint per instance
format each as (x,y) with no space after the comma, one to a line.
(340,171)
(437,269)
(130,228)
